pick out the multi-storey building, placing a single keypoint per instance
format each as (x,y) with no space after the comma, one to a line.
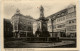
(22,25)
(64,22)
(7,28)
(71,21)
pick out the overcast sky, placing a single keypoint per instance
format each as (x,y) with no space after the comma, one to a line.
(32,7)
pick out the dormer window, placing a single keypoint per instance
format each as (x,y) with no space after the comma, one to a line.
(17,11)
(58,14)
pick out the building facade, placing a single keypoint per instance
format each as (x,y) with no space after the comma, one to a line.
(22,25)
(8,28)
(64,22)
(71,22)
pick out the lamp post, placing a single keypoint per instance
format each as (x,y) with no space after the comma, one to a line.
(52,19)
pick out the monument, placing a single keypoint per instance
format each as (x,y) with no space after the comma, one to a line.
(42,30)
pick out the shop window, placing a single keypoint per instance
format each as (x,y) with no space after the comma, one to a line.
(29,28)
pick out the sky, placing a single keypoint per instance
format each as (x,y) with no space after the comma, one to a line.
(31,7)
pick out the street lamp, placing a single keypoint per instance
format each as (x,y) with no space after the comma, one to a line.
(52,20)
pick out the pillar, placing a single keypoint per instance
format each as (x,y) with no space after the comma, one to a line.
(26,34)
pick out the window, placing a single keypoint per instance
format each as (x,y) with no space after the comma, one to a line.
(71,28)
(61,26)
(62,14)
(69,22)
(29,28)
(64,18)
(54,26)
(72,21)
(15,27)
(57,19)
(50,27)
(70,10)
(29,22)
(58,14)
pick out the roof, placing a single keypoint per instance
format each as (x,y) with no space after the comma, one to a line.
(28,16)
(59,12)
(21,15)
